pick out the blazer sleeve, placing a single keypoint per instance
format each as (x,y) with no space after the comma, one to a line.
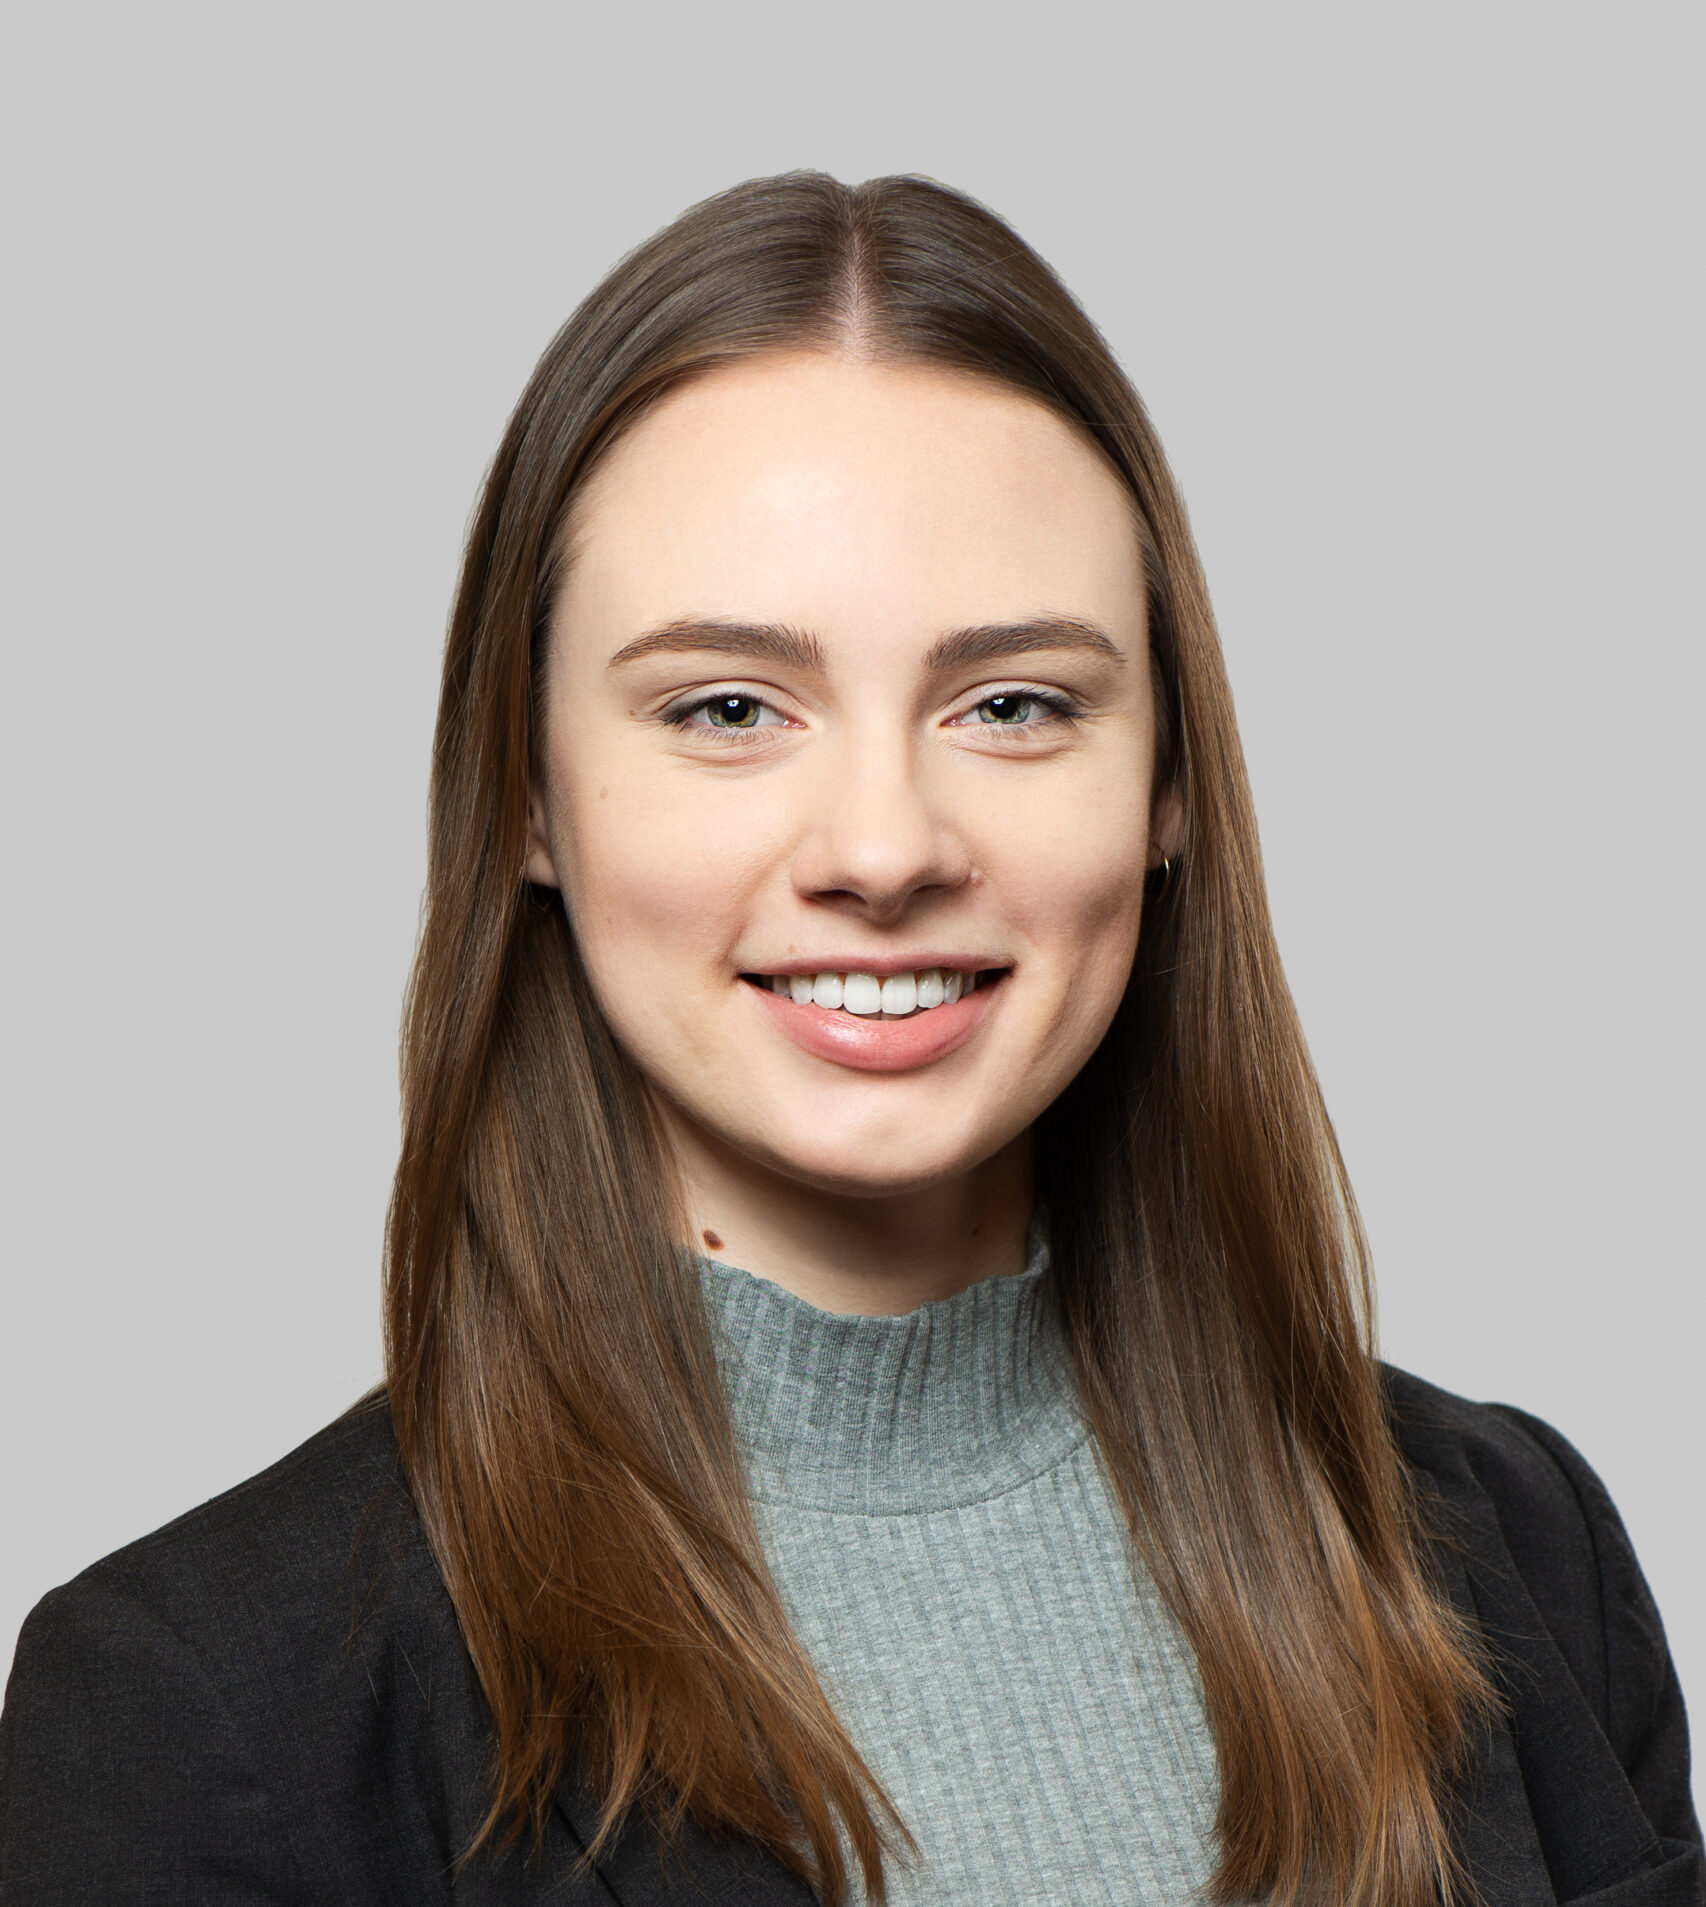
(124,1778)
(1614,1639)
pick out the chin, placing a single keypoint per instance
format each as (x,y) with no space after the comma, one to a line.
(889,1164)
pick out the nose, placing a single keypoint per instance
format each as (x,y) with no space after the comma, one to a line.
(877,837)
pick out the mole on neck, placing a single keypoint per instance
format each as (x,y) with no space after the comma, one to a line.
(864,1256)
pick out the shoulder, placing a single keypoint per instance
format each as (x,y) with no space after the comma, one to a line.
(1514,1493)
(1518,1461)
(279,1538)
(319,1560)
(278,1571)
(1517,1498)
(238,1691)
(1545,1570)
(311,1496)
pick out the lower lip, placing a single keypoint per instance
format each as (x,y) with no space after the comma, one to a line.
(872,1045)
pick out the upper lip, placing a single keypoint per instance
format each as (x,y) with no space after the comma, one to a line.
(883,966)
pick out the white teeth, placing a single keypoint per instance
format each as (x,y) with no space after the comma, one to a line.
(862,994)
(866,995)
(900,993)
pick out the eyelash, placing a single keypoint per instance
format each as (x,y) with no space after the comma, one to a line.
(681,715)
(1060,708)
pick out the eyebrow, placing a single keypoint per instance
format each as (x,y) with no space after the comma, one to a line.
(753,641)
(799,649)
(990,642)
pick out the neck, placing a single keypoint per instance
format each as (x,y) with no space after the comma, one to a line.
(872,1255)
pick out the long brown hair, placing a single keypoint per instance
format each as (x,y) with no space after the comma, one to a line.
(551,1370)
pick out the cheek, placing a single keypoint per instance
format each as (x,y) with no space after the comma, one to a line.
(653,886)
(1076,869)
(1077,900)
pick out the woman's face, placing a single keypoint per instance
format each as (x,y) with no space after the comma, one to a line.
(847,758)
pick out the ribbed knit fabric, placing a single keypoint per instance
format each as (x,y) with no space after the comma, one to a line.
(934,1512)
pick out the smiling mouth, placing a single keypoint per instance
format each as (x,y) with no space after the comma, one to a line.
(898,996)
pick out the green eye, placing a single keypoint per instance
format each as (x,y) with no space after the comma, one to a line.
(1006,709)
(733,711)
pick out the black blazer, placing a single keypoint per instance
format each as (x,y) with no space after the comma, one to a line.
(269,1701)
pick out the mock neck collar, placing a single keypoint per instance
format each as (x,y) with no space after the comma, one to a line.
(952,1403)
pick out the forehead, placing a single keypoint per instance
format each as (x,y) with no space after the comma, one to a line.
(851,497)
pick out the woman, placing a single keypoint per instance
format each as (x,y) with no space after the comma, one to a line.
(877,1399)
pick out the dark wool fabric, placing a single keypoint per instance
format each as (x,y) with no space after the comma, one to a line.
(268,1701)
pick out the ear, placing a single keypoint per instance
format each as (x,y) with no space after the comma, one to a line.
(539,867)
(1166,825)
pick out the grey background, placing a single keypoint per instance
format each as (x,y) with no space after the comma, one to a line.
(1415,295)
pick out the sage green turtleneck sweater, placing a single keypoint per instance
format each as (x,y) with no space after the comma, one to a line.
(935,1515)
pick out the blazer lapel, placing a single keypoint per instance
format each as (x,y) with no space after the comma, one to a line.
(1494,1827)
(693,1870)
